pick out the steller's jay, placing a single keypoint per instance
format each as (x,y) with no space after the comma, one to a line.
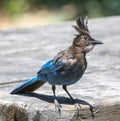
(67,67)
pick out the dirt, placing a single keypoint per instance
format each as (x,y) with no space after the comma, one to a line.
(106,113)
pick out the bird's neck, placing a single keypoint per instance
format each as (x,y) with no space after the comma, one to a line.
(77,50)
(79,54)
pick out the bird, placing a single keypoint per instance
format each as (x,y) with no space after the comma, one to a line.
(67,67)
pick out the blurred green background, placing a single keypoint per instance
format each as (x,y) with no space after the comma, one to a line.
(50,11)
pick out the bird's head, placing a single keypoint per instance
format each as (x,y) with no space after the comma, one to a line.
(83,40)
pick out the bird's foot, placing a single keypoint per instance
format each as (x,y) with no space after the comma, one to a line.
(57,106)
(93,108)
(78,108)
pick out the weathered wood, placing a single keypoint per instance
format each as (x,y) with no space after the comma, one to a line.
(23,51)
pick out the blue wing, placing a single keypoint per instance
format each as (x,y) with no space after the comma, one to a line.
(51,66)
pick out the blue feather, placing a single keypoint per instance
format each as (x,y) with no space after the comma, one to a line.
(28,83)
(51,66)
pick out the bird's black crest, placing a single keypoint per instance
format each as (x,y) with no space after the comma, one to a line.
(82,26)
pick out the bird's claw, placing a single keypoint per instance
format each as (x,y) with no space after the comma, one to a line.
(94,110)
(57,106)
(78,107)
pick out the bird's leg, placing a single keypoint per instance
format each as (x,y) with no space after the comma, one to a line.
(65,88)
(56,103)
(77,105)
(73,100)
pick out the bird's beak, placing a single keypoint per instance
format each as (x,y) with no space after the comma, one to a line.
(95,42)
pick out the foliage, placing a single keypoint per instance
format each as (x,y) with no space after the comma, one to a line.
(92,8)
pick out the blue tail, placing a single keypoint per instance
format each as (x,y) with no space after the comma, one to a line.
(29,86)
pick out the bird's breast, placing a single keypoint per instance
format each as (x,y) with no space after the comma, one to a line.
(67,75)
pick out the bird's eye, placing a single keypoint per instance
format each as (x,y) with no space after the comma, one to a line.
(85,37)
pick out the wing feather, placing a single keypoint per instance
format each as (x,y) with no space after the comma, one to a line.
(51,66)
